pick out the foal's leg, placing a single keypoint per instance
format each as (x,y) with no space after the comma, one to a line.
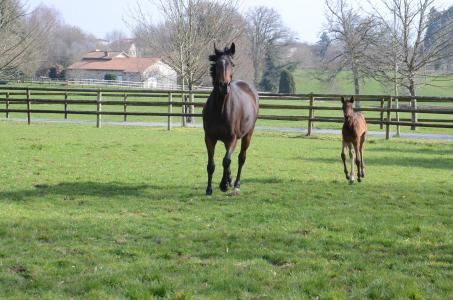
(241,159)
(358,159)
(351,157)
(362,141)
(343,158)
(210,146)
(226,179)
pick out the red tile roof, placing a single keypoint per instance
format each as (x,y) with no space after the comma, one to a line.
(101,54)
(127,64)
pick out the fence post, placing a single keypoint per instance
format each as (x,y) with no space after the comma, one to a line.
(389,118)
(125,107)
(66,105)
(191,108)
(414,114)
(311,114)
(170,109)
(7,105)
(28,106)
(382,113)
(398,127)
(99,110)
(184,109)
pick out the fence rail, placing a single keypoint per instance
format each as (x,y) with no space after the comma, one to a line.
(387,110)
(107,83)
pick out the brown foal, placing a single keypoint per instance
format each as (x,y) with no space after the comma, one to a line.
(354,134)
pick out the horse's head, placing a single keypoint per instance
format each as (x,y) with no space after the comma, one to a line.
(222,67)
(348,106)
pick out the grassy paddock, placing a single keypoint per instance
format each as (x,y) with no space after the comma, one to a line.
(120,213)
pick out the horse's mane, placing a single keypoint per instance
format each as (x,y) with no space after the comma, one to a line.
(213,67)
(213,59)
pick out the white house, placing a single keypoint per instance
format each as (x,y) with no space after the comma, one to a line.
(95,65)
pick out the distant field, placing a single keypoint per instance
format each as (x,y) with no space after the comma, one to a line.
(120,213)
(307,83)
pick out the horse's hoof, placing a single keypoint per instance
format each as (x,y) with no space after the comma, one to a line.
(236,192)
(209,192)
(359,179)
(223,187)
(351,180)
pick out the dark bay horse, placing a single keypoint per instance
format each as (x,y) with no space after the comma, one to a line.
(229,114)
(354,134)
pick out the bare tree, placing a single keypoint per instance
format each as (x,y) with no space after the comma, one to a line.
(352,36)
(406,48)
(115,35)
(15,39)
(24,38)
(41,22)
(188,33)
(118,41)
(268,35)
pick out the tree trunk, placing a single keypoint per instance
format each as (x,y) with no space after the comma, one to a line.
(357,88)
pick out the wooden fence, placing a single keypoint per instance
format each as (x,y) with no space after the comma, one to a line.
(384,111)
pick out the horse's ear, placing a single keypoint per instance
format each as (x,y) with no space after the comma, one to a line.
(232,49)
(342,99)
(216,51)
(352,99)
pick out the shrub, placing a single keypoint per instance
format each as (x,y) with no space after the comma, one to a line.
(110,77)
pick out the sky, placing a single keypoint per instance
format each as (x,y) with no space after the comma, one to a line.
(304,17)
(101,16)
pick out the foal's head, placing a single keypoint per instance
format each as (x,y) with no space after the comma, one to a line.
(222,67)
(348,106)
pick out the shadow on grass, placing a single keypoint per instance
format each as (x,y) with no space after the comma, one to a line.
(115,190)
(270,180)
(72,190)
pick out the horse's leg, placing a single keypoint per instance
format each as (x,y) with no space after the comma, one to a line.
(351,157)
(343,158)
(362,141)
(357,159)
(210,146)
(245,143)
(226,179)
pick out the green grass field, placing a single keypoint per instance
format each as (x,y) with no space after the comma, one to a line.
(307,82)
(120,213)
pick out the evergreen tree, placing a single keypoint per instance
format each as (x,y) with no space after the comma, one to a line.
(323,44)
(438,21)
(271,75)
(287,83)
